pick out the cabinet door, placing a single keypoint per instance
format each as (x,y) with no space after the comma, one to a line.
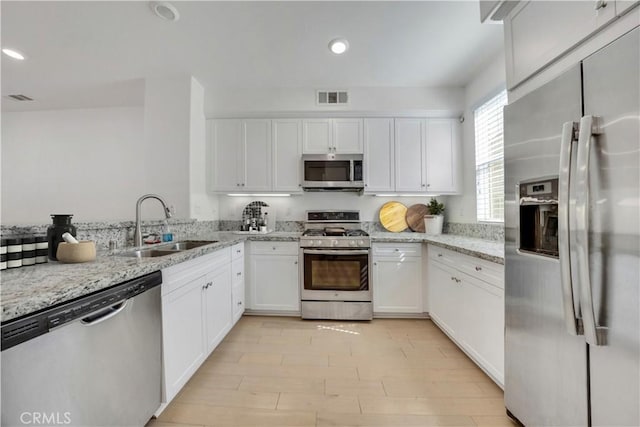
(256,147)
(409,135)
(379,156)
(317,137)
(182,336)
(225,164)
(237,291)
(274,283)
(442,148)
(217,306)
(565,24)
(483,317)
(237,297)
(287,148)
(397,285)
(347,136)
(444,298)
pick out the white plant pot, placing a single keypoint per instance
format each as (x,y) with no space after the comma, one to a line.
(433,224)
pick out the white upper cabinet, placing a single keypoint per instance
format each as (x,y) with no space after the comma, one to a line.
(379,155)
(538,32)
(256,155)
(412,155)
(317,136)
(322,136)
(225,154)
(347,136)
(409,155)
(240,155)
(287,149)
(442,156)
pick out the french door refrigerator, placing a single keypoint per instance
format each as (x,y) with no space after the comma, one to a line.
(572,323)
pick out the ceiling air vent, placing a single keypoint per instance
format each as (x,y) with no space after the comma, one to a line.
(332,97)
(20,97)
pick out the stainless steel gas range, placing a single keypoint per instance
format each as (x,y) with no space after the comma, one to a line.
(335,273)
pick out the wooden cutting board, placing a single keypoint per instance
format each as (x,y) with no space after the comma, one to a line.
(415,217)
(393,216)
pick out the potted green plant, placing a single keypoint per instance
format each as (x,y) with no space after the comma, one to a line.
(434,221)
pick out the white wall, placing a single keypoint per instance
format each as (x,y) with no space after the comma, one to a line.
(203,206)
(486,84)
(86,162)
(293,208)
(417,101)
(167,106)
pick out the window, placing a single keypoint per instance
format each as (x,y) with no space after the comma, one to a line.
(490,159)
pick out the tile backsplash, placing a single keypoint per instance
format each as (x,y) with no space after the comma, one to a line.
(120,232)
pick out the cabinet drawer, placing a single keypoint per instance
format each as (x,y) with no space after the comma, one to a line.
(487,271)
(397,249)
(181,274)
(237,270)
(237,250)
(274,248)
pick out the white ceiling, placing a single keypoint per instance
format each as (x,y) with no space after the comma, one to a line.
(98,53)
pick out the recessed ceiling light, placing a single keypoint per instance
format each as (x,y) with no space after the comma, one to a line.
(165,10)
(338,46)
(13,54)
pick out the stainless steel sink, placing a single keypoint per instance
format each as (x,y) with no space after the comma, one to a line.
(187,244)
(167,249)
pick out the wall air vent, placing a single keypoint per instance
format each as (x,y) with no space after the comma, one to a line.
(332,97)
(20,97)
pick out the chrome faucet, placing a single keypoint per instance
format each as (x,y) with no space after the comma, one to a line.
(137,235)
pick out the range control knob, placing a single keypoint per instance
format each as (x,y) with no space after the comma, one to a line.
(353,243)
(334,243)
(319,242)
(361,243)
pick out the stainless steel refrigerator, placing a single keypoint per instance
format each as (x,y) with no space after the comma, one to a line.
(572,245)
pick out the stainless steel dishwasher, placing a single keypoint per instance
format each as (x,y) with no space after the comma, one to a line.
(94,361)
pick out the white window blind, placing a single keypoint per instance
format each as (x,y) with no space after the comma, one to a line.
(490,159)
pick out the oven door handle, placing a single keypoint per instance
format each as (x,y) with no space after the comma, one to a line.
(336,251)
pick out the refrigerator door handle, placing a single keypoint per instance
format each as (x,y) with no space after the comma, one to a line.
(594,334)
(572,323)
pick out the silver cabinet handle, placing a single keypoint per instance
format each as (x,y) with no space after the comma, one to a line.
(423,185)
(239,273)
(238,251)
(397,250)
(478,268)
(274,248)
(375,263)
(439,255)
(594,334)
(295,262)
(600,4)
(207,285)
(569,132)
(239,302)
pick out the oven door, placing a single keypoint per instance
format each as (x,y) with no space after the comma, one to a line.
(335,275)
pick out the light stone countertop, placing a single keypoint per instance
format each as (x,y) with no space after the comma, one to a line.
(489,250)
(29,289)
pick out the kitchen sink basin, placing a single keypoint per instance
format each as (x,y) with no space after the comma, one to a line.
(187,244)
(167,249)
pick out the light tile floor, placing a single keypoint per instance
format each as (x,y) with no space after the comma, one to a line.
(277,371)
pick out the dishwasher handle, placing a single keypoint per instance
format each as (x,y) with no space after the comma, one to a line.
(105,314)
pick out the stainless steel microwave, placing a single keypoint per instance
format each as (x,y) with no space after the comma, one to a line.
(332,172)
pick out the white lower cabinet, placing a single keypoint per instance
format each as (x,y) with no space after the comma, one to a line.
(273,277)
(466,300)
(237,280)
(196,315)
(183,346)
(397,278)
(217,306)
